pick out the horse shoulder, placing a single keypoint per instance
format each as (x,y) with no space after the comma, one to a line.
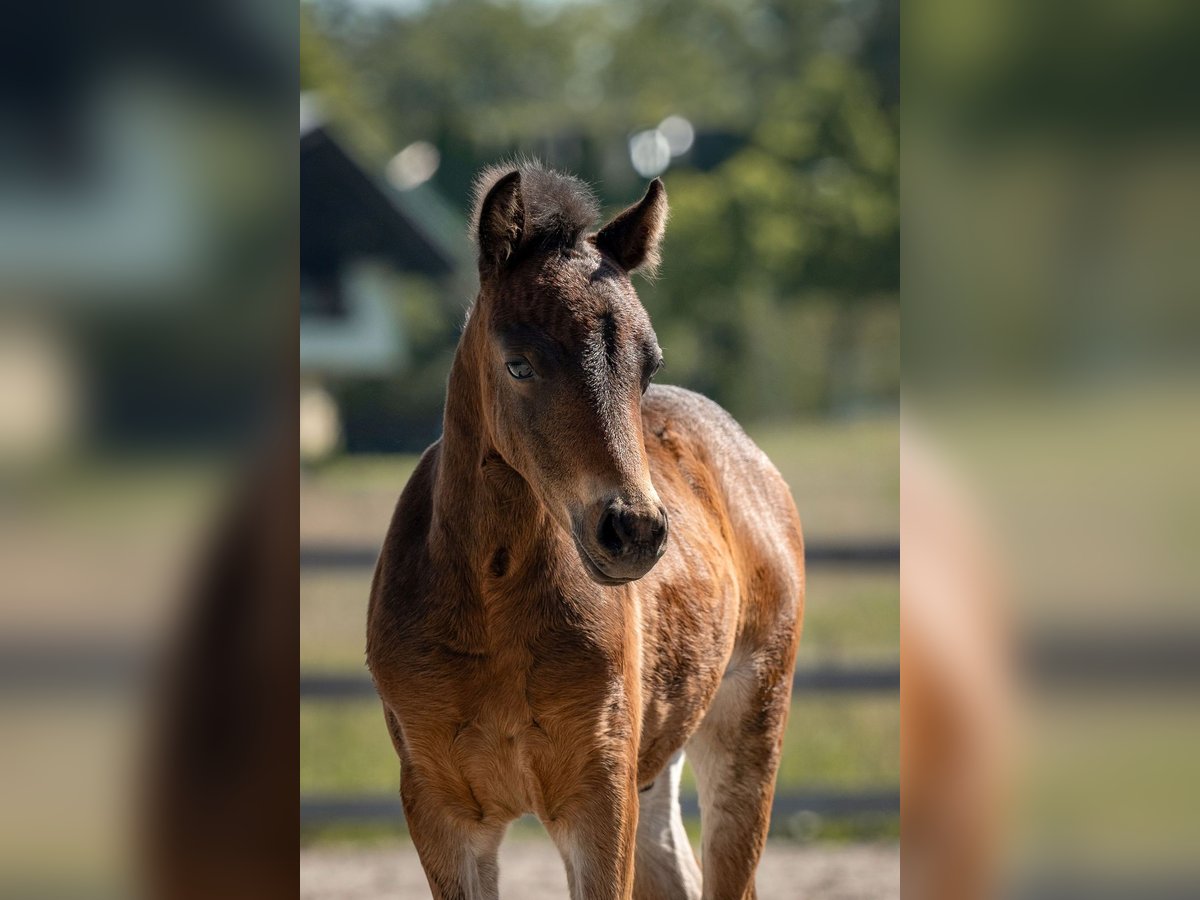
(738,486)
(402,581)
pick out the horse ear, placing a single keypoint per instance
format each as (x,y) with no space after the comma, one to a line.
(501,224)
(633,237)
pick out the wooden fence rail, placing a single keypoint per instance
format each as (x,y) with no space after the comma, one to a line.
(880,554)
(317,811)
(814,679)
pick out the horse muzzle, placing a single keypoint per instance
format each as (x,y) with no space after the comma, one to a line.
(625,542)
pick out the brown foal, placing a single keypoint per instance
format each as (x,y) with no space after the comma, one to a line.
(584,577)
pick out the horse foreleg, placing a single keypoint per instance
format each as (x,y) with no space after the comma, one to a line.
(735,754)
(459,855)
(666,866)
(595,833)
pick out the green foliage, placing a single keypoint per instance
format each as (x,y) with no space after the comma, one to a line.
(785,223)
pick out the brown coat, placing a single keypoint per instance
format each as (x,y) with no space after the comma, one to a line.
(542,639)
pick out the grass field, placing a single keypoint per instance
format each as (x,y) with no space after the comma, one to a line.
(844,476)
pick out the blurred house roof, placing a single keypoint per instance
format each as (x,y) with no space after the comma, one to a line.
(354,227)
(347,213)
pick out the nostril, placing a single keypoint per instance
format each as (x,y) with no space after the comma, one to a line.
(659,532)
(645,532)
(609,534)
(623,532)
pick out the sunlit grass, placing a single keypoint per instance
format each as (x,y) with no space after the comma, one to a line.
(850,616)
(844,475)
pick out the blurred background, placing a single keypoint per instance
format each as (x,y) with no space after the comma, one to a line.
(1050,523)
(775,129)
(150,254)
(148,241)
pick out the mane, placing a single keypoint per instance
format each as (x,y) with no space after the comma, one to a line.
(559,208)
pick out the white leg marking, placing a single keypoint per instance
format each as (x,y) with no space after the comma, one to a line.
(664,856)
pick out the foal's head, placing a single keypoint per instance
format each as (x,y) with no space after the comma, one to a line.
(568,353)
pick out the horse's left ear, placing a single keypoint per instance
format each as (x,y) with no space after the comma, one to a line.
(633,237)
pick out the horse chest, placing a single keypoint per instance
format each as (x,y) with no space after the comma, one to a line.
(504,735)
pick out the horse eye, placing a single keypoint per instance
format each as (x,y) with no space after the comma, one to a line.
(520,369)
(650,373)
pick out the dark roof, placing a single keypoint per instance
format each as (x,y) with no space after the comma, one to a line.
(346,213)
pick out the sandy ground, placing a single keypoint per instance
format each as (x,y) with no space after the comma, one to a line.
(531,870)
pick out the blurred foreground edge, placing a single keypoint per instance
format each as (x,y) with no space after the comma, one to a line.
(220,816)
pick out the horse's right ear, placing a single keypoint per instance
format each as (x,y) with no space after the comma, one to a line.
(633,237)
(501,224)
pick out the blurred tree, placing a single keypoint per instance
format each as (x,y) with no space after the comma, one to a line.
(783,252)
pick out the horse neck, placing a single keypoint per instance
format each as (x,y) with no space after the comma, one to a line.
(480,504)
